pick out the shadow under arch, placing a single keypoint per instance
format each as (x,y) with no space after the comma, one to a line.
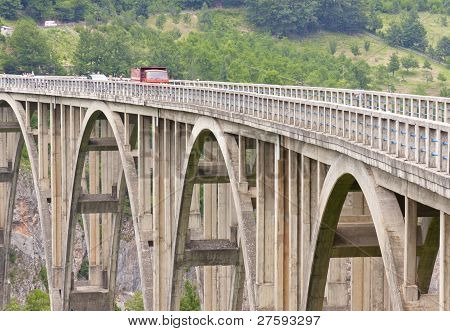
(128,180)
(203,128)
(27,139)
(387,218)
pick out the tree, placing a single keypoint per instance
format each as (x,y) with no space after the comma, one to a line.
(348,16)
(394,35)
(13,305)
(427,65)
(441,77)
(283,17)
(108,51)
(410,33)
(29,50)
(39,9)
(374,21)
(443,48)
(355,49)
(409,62)
(43,277)
(37,300)
(394,64)
(361,72)
(135,303)
(414,33)
(161,20)
(428,76)
(190,300)
(10,8)
(195,4)
(332,45)
(366,45)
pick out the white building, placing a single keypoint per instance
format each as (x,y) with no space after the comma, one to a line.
(49,24)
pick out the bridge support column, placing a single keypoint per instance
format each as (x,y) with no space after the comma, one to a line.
(337,288)
(57,145)
(410,289)
(95,274)
(210,232)
(305,216)
(11,143)
(265,231)
(164,197)
(368,284)
(147,233)
(444,267)
(293,243)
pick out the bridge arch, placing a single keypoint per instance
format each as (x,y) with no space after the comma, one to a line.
(128,180)
(387,218)
(26,139)
(207,127)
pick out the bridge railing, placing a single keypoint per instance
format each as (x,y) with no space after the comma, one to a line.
(423,142)
(425,107)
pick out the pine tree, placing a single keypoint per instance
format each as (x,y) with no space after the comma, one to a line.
(394,63)
(190,300)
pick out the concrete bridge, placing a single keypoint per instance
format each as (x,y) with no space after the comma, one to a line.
(274,195)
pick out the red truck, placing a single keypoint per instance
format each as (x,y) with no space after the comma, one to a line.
(150,75)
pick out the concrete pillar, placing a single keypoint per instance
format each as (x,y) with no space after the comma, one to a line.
(444,258)
(3,211)
(223,232)
(109,177)
(265,231)
(95,274)
(294,232)
(43,117)
(368,287)
(146,219)
(337,288)
(305,230)
(164,198)
(410,289)
(210,232)
(279,229)
(56,191)
(161,212)
(195,218)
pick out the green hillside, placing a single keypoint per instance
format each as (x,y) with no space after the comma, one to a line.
(221,44)
(412,81)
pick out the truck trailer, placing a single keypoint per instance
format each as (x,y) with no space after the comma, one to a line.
(150,75)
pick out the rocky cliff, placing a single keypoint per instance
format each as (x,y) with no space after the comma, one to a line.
(27,260)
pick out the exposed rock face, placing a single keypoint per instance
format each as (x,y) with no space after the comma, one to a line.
(27,253)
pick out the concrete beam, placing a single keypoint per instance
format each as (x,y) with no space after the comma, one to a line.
(358,234)
(103,144)
(89,298)
(5,175)
(98,204)
(211,252)
(7,127)
(361,235)
(355,251)
(211,173)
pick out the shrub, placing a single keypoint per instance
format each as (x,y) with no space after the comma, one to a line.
(190,300)
(135,303)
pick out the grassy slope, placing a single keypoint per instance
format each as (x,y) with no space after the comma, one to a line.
(379,52)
